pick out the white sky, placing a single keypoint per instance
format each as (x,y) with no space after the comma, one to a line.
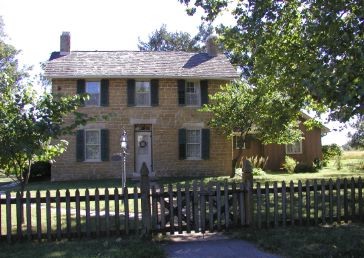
(34,27)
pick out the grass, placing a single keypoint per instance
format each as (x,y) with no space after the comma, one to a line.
(108,247)
(338,240)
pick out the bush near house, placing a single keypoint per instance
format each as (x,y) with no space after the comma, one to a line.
(330,152)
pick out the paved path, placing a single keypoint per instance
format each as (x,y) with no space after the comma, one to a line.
(212,246)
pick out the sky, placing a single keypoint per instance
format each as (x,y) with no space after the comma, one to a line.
(34,27)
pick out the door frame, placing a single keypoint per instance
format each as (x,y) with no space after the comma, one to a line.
(147,128)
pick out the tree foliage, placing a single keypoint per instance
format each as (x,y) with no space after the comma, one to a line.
(163,40)
(313,51)
(31,126)
(357,138)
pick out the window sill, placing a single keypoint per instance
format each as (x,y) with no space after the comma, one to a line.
(193,159)
(92,161)
(296,153)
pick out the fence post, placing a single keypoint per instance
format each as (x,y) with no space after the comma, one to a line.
(145,190)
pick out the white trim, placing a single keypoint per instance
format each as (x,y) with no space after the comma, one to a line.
(293,153)
(99,158)
(197,87)
(200,143)
(236,143)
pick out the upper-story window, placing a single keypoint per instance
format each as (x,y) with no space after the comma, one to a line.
(192,95)
(142,93)
(93,90)
(294,148)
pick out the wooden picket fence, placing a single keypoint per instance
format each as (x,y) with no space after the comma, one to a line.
(54,215)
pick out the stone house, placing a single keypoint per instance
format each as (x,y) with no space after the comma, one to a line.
(155,97)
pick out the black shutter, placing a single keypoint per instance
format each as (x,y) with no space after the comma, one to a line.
(131,92)
(182,143)
(154,90)
(204,92)
(104,144)
(81,88)
(181,92)
(80,145)
(205,149)
(104,101)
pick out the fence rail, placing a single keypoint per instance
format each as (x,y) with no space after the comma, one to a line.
(166,209)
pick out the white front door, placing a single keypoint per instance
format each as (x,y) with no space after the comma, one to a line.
(143,151)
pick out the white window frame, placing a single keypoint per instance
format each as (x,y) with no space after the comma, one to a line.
(197,88)
(235,137)
(294,151)
(147,93)
(194,143)
(99,157)
(99,98)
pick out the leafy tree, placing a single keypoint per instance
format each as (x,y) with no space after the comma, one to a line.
(310,50)
(357,138)
(31,126)
(163,40)
(240,109)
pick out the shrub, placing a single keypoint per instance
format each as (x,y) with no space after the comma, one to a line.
(304,168)
(258,172)
(258,162)
(40,170)
(289,164)
(330,152)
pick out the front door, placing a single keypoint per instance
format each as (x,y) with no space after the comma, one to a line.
(143,151)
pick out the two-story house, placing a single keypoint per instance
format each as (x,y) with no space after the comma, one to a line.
(155,96)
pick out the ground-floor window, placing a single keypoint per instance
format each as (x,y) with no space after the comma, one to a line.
(294,148)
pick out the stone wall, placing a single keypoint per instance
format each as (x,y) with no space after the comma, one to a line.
(166,119)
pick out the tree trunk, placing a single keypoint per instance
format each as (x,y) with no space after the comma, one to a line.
(236,161)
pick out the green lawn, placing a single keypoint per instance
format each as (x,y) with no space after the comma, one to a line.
(338,240)
(110,247)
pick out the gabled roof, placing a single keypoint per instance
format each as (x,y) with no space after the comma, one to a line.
(139,64)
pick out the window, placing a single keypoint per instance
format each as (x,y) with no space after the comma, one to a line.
(192,94)
(193,144)
(294,148)
(92,145)
(93,90)
(239,141)
(142,93)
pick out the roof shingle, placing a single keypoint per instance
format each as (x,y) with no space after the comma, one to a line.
(120,64)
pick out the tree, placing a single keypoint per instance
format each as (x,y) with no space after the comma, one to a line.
(163,40)
(240,109)
(357,138)
(31,126)
(310,50)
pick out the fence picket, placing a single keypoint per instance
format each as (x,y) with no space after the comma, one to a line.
(242,205)
(19,215)
(226,205)
(360,198)
(8,217)
(97,212)
(331,201)
(308,203)
(58,215)
(154,208)
(259,219)
(162,217)
(235,204)
(188,207)
(315,202)
(267,206)
(203,208)
(323,201)
(352,200)
(117,211)
(179,208)
(126,210)
(136,210)
(48,215)
(38,215)
(284,207)
(211,208)
(78,213)
(87,207)
(345,197)
(196,218)
(300,202)
(275,201)
(29,216)
(171,207)
(291,200)
(218,206)
(68,214)
(107,213)
(338,201)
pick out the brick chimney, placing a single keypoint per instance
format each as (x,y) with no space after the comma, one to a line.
(211,47)
(65,43)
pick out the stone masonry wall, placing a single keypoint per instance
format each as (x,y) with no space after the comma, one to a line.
(166,119)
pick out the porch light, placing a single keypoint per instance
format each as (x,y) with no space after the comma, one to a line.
(124,148)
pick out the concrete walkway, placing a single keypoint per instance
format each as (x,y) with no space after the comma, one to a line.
(211,246)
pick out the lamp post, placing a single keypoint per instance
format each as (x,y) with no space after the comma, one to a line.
(124,148)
